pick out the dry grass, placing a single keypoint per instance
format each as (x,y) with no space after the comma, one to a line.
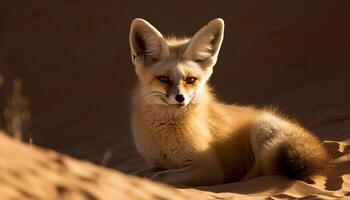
(17,114)
(107,156)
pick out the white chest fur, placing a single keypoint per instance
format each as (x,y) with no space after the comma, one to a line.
(170,143)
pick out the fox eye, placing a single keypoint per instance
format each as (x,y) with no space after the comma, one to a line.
(163,79)
(191,80)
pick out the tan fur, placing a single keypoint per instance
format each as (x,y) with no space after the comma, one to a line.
(202,141)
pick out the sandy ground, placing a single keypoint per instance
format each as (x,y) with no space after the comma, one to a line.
(73,58)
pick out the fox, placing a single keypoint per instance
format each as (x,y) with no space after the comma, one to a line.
(188,136)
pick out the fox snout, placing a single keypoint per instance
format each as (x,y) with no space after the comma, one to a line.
(176,100)
(177,97)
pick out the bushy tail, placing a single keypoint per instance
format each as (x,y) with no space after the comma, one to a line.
(301,160)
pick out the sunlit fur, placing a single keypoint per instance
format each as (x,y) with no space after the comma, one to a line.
(203,141)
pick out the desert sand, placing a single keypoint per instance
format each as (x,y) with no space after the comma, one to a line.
(73,58)
(29,172)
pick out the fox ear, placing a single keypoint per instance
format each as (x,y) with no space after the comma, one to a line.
(205,45)
(146,42)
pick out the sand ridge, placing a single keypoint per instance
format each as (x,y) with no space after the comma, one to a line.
(29,172)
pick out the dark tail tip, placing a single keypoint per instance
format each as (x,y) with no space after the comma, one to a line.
(296,162)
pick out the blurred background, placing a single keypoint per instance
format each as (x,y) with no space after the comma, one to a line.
(74,61)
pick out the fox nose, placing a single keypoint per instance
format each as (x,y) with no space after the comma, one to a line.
(179,98)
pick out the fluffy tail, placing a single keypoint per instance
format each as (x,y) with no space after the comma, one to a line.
(302,160)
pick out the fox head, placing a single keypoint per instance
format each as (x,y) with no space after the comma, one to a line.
(173,71)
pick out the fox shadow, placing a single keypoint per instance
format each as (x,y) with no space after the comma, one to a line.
(340,153)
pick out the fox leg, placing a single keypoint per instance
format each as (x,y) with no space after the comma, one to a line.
(256,170)
(188,176)
(257,139)
(253,172)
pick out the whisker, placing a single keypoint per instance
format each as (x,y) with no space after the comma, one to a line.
(152,98)
(149,95)
(154,92)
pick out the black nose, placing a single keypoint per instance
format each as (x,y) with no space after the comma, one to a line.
(179,98)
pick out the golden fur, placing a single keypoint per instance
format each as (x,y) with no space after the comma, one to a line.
(200,140)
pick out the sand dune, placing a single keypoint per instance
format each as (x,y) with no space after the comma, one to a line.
(28,172)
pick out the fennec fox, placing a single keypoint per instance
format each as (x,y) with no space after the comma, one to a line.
(189,137)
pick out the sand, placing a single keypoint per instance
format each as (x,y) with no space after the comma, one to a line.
(29,172)
(73,58)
